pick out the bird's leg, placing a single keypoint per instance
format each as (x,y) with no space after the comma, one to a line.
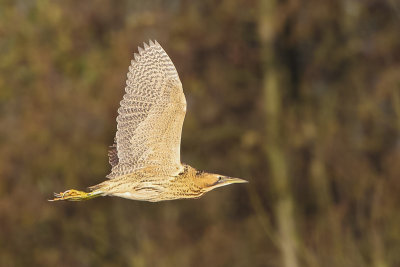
(75,195)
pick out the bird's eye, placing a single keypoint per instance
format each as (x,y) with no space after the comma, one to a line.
(219,180)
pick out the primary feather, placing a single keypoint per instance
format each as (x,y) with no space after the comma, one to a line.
(149,124)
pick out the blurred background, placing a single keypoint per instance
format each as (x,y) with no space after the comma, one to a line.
(301,98)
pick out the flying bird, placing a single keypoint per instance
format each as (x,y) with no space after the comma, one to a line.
(145,157)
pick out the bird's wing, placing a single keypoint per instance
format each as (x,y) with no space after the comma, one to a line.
(149,124)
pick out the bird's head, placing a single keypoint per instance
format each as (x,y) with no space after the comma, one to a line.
(209,181)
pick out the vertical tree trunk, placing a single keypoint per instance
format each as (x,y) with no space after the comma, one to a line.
(274,149)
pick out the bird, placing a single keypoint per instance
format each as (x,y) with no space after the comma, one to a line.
(145,157)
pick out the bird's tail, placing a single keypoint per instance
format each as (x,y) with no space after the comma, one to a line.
(75,195)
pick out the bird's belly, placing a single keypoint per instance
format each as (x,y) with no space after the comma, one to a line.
(143,195)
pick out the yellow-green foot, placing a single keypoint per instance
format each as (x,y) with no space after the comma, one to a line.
(74,195)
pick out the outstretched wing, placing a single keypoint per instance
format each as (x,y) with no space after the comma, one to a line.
(149,124)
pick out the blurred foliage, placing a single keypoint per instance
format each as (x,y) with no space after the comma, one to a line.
(335,131)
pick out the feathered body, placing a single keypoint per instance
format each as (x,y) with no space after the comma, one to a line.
(149,186)
(145,158)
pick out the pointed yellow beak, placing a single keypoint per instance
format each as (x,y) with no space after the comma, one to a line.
(232,180)
(226,180)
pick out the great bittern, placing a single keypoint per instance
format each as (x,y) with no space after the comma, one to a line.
(145,157)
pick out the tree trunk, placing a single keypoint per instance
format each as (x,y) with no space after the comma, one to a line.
(274,145)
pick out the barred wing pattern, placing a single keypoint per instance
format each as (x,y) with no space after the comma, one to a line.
(149,124)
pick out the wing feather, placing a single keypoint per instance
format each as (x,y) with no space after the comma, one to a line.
(151,114)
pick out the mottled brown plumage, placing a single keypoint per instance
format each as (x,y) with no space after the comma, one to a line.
(145,158)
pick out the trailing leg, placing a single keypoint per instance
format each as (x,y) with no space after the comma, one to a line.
(75,195)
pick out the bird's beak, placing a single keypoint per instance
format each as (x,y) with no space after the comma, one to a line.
(225,180)
(232,180)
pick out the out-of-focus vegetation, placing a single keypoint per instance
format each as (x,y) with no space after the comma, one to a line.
(302,98)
